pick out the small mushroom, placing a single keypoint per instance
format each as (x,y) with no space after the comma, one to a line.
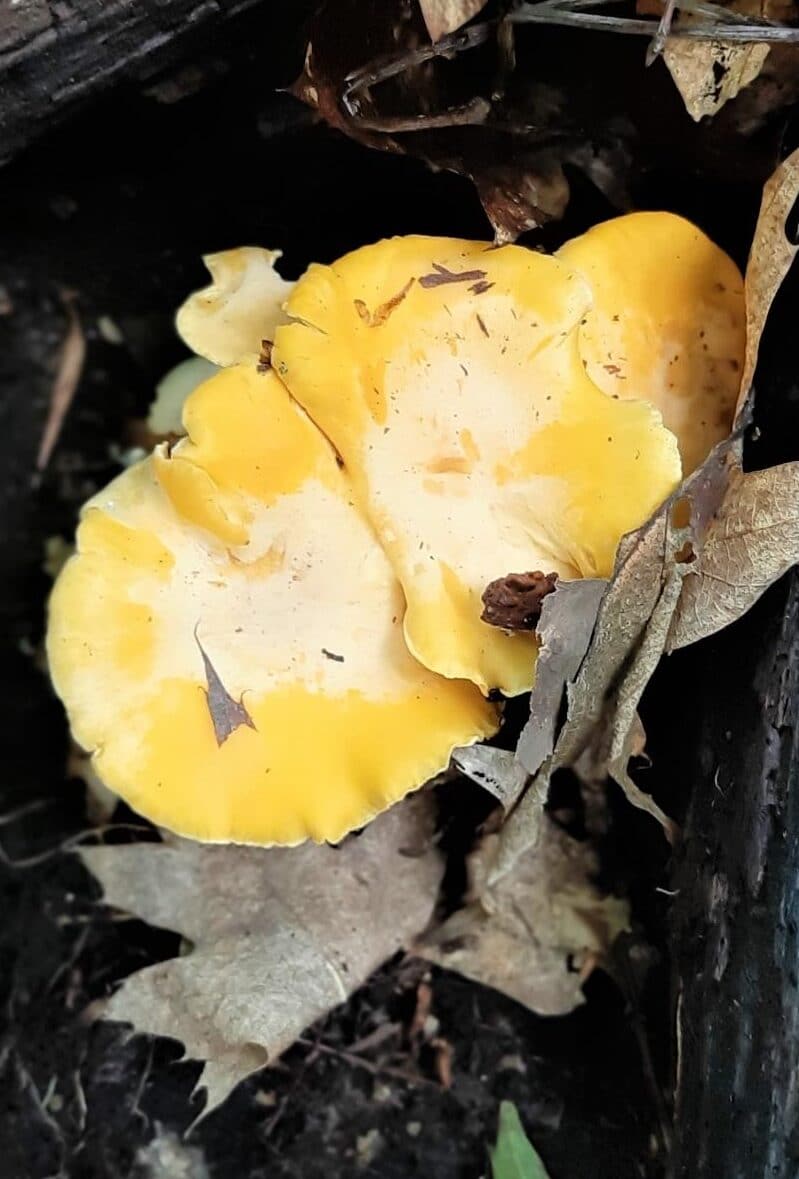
(668,323)
(165,417)
(448,376)
(228,637)
(230,319)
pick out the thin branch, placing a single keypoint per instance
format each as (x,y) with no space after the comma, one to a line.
(724,28)
(360,1062)
(360,81)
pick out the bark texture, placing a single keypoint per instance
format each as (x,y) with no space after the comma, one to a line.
(736,915)
(56,53)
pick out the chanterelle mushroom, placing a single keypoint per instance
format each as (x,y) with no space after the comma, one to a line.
(230,318)
(228,637)
(667,323)
(448,375)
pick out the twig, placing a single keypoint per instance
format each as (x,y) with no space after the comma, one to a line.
(27,808)
(475,111)
(370,1066)
(142,1081)
(70,367)
(730,28)
(658,42)
(68,845)
(629,987)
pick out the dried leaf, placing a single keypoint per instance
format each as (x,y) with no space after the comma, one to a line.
(709,73)
(753,540)
(362,62)
(567,622)
(658,598)
(447,16)
(523,934)
(70,367)
(280,935)
(497,770)
(227,713)
(770,258)
(514,1156)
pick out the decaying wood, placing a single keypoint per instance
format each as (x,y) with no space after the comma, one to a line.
(54,55)
(736,910)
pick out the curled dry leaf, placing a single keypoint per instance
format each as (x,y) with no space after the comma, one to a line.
(773,251)
(279,936)
(370,73)
(567,622)
(752,541)
(709,73)
(497,770)
(524,934)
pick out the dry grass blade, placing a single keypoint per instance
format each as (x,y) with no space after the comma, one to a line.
(70,367)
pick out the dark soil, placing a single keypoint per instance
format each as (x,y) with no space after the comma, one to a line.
(118,206)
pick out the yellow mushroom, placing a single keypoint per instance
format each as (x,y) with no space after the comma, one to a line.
(667,323)
(165,416)
(448,375)
(228,637)
(230,319)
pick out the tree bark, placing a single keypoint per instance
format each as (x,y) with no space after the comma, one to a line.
(738,912)
(736,915)
(54,54)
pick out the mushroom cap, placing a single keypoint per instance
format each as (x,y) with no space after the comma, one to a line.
(447,374)
(165,416)
(668,323)
(228,637)
(229,319)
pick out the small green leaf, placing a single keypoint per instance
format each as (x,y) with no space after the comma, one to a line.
(514,1157)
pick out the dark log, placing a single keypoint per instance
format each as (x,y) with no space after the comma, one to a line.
(54,55)
(736,916)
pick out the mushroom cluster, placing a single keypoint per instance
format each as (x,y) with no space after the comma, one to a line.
(275,627)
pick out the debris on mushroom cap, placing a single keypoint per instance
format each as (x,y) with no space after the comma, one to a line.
(668,323)
(447,374)
(228,638)
(229,320)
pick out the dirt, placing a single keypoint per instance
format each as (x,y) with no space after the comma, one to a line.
(118,206)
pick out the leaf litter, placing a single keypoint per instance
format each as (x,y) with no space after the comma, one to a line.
(279,936)
(698,564)
(530,934)
(678,575)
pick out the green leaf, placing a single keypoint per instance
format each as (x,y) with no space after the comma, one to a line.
(514,1156)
